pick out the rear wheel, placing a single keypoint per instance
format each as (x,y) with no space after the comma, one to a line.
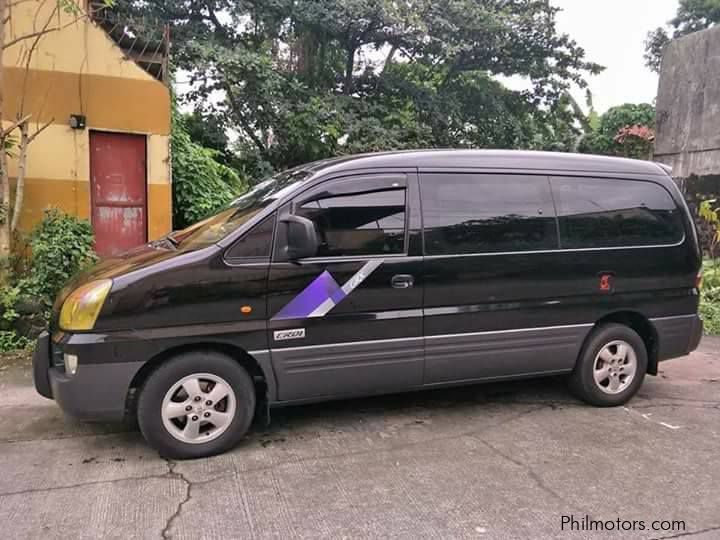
(196,404)
(611,366)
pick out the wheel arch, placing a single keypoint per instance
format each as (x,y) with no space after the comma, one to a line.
(263,378)
(644,328)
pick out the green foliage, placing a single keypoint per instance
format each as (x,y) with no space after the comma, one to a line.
(8,302)
(299,80)
(208,130)
(692,16)
(11,341)
(201,184)
(8,145)
(606,138)
(710,297)
(711,214)
(61,246)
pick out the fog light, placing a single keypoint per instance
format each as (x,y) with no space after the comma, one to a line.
(71,363)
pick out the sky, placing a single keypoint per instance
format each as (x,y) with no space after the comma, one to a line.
(613,33)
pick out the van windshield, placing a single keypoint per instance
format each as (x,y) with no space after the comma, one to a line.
(214,228)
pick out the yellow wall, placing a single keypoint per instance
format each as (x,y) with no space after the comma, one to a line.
(78,69)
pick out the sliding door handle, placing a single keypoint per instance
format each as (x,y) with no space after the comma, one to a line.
(402,281)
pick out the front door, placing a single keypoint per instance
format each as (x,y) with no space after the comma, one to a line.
(118,191)
(349,321)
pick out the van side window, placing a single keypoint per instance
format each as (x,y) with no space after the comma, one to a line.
(256,243)
(486,213)
(359,224)
(607,213)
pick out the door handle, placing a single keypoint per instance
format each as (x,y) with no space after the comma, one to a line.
(402,281)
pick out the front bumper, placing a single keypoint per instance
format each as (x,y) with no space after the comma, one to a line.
(97,391)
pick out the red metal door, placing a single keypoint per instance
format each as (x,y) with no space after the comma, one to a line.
(118,191)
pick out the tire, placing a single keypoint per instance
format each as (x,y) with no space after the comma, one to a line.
(601,374)
(193,380)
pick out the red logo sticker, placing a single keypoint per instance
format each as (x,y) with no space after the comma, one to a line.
(605,284)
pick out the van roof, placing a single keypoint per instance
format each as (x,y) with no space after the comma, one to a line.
(488,159)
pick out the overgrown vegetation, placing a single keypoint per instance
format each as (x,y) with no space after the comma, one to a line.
(201,183)
(710,299)
(692,16)
(60,246)
(300,80)
(624,131)
(11,341)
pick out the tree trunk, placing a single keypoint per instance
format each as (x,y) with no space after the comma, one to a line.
(349,66)
(390,56)
(22,168)
(4,174)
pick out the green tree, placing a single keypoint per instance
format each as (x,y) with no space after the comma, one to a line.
(209,130)
(626,130)
(307,79)
(692,16)
(201,184)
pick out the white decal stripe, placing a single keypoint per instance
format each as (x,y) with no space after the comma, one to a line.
(367,269)
(323,308)
(349,286)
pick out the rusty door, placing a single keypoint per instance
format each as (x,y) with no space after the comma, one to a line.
(118,191)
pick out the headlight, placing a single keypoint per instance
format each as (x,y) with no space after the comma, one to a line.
(82,306)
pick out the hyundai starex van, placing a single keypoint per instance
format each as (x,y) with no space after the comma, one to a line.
(382,273)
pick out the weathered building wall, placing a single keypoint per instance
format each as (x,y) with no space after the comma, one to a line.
(688,117)
(688,105)
(79,70)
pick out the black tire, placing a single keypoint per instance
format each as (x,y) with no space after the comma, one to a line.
(159,383)
(582,381)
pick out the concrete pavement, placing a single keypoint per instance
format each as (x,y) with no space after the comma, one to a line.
(494,461)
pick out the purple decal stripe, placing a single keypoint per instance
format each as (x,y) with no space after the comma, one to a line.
(322,287)
(323,294)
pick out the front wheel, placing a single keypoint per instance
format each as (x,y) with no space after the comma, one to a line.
(195,405)
(611,366)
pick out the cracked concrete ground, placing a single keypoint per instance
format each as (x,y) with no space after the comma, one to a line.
(494,461)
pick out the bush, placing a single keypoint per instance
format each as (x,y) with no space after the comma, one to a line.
(61,246)
(710,299)
(11,341)
(201,184)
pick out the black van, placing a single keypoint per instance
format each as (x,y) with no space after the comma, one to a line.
(382,273)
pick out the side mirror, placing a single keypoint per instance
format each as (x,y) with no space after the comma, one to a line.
(301,237)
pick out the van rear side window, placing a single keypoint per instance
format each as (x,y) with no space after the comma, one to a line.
(609,213)
(486,213)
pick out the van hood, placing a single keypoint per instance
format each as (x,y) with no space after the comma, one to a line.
(135,259)
(117,265)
